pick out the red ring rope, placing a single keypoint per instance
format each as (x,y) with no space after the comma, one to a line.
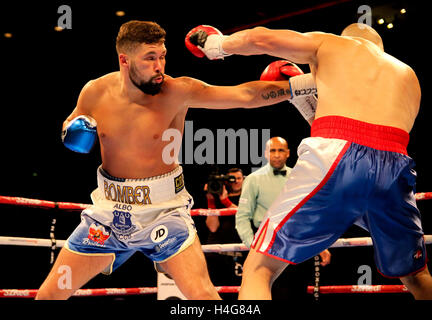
(360,289)
(69,206)
(31,293)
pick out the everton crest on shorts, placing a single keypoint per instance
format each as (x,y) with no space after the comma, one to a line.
(122,224)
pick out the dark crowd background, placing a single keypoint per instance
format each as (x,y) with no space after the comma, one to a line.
(43,71)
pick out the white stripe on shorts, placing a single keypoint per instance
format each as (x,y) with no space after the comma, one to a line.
(316,156)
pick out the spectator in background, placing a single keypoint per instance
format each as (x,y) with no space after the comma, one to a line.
(225,268)
(229,198)
(259,191)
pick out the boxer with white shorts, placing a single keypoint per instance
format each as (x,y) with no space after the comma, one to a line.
(150,215)
(141,204)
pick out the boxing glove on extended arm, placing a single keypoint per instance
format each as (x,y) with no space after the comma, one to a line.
(302,86)
(206,41)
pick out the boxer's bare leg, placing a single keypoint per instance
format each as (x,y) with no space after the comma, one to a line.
(189,271)
(80,268)
(259,273)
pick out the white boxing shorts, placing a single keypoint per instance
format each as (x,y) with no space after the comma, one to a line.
(150,215)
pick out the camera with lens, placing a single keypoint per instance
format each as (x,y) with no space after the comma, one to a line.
(217,181)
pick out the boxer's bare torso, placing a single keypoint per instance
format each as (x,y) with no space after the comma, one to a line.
(130,130)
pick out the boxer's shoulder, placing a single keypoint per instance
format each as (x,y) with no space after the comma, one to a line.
(181,81)
(92,93)
(96,88)
(181,85)
(189,84)
(106,81)
(98,85)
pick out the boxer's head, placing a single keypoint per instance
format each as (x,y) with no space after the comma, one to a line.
(141,49)
(364,31)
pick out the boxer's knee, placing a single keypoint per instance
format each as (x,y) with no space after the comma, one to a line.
(204,292)
(419,284)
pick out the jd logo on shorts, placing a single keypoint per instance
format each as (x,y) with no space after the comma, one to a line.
(159,233)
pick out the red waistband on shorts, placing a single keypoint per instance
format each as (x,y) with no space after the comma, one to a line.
(379,137)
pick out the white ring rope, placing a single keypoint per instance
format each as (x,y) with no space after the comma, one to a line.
(215,248)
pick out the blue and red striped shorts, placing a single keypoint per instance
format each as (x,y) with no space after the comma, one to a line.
(348,172)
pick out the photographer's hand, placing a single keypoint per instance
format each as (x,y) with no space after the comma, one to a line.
(224,193)
(225,200)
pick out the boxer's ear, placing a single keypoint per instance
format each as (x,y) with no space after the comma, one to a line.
(124,60)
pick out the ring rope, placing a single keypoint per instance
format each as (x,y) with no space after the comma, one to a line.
(215,248)
(31,293)
(423,195)
(360,289)
(70,206)
(43,204)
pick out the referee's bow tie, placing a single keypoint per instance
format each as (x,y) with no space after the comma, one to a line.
(281,172)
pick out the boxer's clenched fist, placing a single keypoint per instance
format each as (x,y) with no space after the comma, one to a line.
(206,41)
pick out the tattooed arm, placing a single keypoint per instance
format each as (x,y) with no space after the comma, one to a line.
(252,94)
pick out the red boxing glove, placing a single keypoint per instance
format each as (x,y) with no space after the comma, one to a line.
(205,41)
(280,70)
(302,86)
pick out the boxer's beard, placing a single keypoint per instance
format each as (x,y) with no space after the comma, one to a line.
(148,87)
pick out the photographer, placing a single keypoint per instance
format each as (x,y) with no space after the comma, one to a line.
(223,191)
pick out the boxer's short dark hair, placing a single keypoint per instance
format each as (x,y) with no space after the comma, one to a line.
(133,33)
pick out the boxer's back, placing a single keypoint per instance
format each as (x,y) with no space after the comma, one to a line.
(356,79)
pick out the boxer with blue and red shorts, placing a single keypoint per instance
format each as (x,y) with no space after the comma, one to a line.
(348,172)
(354,169)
